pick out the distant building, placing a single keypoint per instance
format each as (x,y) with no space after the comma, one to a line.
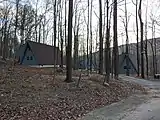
(33,53)
(132,64)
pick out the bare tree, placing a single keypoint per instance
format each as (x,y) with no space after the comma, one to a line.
(5,30)
(44,28)
(16,23)
(96,47)
(137,36)
(91,63)
(55,28)
(153,46)
(65,24)
(5,39)
(115,42)
(107,49)
(45,21)
(142,51)
(88,40)
(69,45)
(23,24)
(125,23)
(36,10)
(39,38)
(76,34)
(100,39)
(127,40)
(61,34)
(146,41)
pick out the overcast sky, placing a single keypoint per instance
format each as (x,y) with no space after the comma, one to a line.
(153,7)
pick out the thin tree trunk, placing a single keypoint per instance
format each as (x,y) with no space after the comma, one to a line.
(137,37)
(58,34)
(39,38)
(1,45)
(65,33)
(104,21)
(16,26)
(65,30)
(100,39)
(88,41)
(127,41)
(23,25)
(155,50)
(5,42)
(115,42)
(8,41)
(146,44)
(55,30)
(76,51)
(107,49)
(77,44)
(61,38)
(84,54)
(152,46)
(146,54)
(36,36)
(69,46)
(153,63)
(2,37)
(142,51)
(44,30)
(96,49)
(75,65)
(91,63)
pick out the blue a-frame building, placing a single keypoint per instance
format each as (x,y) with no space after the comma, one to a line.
(33,53)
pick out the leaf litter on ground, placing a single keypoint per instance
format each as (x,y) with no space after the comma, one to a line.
(33,93)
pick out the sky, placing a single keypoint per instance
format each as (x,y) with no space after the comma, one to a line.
(153,7)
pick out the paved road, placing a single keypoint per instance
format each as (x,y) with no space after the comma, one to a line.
(146,83)
(137,107)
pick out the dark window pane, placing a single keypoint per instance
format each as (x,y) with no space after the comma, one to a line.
(31,58)
(27,57)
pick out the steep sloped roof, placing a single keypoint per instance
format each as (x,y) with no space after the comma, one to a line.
(44,54)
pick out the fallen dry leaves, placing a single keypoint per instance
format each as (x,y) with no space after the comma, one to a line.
(30,93)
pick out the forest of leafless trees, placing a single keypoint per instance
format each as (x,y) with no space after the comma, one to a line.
(81,28)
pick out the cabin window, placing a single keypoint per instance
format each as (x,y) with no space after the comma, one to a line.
(31,58)
(27,57)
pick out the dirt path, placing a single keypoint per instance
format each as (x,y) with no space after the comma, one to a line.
(117,111)
(147,111)
(137,107)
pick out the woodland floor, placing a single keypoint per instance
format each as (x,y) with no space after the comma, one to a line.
(32,93)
